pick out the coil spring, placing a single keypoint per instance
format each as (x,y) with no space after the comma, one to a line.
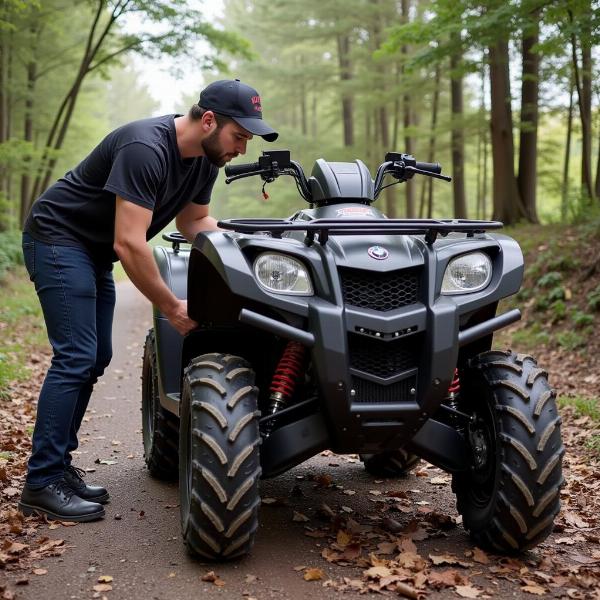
(287,373)
(455,385)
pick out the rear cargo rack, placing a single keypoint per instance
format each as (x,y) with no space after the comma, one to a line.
(431,228)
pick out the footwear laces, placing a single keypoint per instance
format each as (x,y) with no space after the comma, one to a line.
(62,487)
(76,472)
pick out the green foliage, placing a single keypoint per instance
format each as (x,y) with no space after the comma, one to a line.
(593,299)
(10,251)
(559,311)
(19,311)
(593,444)
(549,279)
(581,319)
(531,337)
(556,293)
(571,340)
(584,406)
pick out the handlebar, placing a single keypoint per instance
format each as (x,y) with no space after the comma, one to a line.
(431,167)
(234,170)
(274,163)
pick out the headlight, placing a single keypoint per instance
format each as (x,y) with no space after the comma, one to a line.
(467,273)
(282,274)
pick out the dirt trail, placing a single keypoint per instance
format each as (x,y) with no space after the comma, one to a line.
(139,545)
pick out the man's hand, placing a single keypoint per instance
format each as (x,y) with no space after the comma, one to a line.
(178,317)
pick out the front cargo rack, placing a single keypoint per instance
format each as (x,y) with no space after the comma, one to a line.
(430,228)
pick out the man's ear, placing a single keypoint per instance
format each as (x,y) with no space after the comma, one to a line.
(209,121)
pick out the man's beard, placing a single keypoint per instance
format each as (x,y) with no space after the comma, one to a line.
(214,151)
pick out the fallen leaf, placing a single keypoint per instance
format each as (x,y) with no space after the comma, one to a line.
(534,589)
(376,572)
(102,587)
(299,517)
(479,556)
(313,574)
(343,538)
(448,559)
(467,591)
(105,579)
(439,481)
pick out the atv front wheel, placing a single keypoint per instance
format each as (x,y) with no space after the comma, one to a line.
(395,463)
(219,468)
(510,496)
(160,428)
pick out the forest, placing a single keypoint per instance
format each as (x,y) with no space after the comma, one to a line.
(504,95)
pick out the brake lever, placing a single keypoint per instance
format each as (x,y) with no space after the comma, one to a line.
(428,173)
(243,175)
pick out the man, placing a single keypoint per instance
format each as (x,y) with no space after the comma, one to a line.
(133,183)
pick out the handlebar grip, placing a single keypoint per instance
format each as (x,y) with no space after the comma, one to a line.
(431,167)
(232,170)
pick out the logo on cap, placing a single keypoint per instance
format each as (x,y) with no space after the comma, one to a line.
(378,252)
(256,103)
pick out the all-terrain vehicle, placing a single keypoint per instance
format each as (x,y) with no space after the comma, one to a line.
(341,329)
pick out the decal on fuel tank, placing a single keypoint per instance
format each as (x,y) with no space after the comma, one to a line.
(355,211)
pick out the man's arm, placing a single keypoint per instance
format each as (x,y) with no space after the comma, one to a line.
(193,219)
(131,223)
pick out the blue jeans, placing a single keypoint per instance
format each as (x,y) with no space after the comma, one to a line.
(77,295)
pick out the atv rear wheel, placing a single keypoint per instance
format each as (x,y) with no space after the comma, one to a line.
(219,469)
(510,496)
(395,463)
(160,428)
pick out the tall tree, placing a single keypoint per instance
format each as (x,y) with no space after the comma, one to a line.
(406,107)
(582,74)
(508,206)
(345,65)
(105,43)
(527,178)
(458,140)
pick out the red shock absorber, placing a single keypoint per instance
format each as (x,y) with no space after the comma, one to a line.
(455,385)
(286,376)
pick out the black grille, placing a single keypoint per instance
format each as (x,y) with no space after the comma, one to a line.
(383,359)
(380,291)
(369,392)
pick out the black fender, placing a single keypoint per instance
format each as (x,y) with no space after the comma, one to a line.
(173,268)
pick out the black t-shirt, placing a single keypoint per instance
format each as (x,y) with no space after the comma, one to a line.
(139,162)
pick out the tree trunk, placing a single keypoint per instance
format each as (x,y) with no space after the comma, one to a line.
(390,195)
(584,101)
(428,181)
(28,137)
(458,141)
(480,134)
(597,187)
(343,44)
(508,206)
(303,99)
(314,119)
(408,146)
(527,177)
(396,130)
(564,203)
(4,110)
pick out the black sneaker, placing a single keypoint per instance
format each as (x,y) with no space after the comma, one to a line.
(58,501)
(94,493)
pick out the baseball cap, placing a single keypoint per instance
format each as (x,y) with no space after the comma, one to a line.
(234,99)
